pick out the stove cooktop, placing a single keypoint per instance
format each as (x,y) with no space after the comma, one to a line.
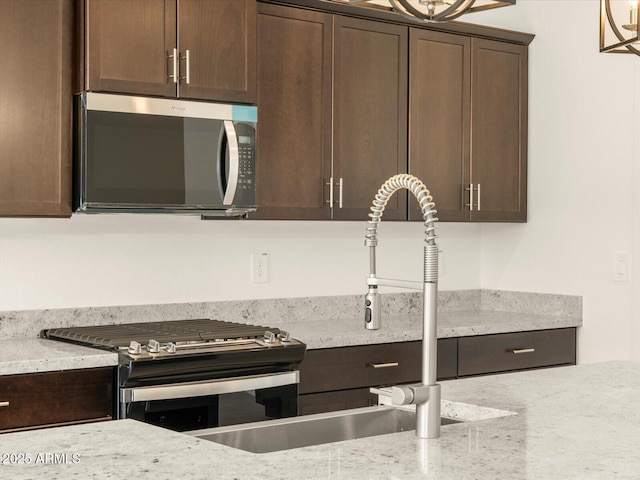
(173,338)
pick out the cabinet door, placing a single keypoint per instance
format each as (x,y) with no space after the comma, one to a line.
(369,114)
(439,116)
(220,37)
(294,104)
(129,44)
(35,101)
(499,130)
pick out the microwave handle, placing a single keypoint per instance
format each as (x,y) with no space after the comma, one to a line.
(234,162)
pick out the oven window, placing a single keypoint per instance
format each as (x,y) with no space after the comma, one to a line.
(218,410)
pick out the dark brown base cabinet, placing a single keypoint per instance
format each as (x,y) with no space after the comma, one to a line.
(516,351)
(339,378)
(48,399)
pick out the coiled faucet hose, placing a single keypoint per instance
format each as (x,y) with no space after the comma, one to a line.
(388,188)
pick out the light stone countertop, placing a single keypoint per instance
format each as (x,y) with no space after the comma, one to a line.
(32,355)
(320,322)
(350,331)
(578,422)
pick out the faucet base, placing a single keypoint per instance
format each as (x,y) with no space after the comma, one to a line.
(428,414)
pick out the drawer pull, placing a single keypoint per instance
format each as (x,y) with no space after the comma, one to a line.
(383,365)
(4,404)
(523,350)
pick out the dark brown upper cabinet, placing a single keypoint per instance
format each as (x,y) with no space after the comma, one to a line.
(189,48)
(499,131)
(439,120)
(294,104)
(369,115)
(332,97)
(468,126)
(35,101)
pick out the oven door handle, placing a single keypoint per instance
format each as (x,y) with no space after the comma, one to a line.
(208,387)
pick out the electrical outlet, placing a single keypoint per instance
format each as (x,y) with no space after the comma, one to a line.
(621,267)
(260,267)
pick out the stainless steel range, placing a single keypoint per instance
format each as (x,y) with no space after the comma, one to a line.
(190,374)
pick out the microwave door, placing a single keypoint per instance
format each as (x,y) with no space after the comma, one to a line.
(228,162)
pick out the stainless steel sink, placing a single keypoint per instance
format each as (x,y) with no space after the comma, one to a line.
(303,431)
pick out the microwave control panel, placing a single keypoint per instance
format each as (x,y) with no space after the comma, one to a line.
(246,190)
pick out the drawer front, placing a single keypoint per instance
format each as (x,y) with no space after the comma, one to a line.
(447,358)
(48,398)
(516,351)
(338,400)
(360,366)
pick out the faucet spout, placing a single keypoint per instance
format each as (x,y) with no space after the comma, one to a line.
(426,396)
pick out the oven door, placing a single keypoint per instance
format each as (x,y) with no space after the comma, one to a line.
(213,403)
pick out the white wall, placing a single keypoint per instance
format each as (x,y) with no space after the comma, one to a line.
(105,260)
(581,204)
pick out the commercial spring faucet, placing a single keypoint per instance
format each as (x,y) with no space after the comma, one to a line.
(426,395)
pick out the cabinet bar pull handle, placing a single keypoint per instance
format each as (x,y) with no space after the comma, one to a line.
(175,65)
(4,404)
(470,190)
(330,185)
(383,365)
(340,201)
(187,67)
(523,350)
(478,197)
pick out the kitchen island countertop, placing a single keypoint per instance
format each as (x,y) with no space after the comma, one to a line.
(577,422)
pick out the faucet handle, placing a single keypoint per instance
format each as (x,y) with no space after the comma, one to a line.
(404,394)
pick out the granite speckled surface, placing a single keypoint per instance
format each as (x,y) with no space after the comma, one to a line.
(285,312)
(320,322)
(349,331)
(32,355)
(579,422)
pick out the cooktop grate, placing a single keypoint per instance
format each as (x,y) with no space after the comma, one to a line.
(121,335)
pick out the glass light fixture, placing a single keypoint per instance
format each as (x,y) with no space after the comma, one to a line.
(619,26)
(437,10)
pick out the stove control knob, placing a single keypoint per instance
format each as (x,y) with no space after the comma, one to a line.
(171,347)
(135,348)
(285,337)
(269,337)
(153,346)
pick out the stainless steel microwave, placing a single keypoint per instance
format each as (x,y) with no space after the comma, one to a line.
(139,154)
